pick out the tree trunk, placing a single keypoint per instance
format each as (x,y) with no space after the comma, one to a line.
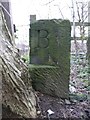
(16,95)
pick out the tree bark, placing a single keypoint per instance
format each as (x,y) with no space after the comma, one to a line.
(17,95)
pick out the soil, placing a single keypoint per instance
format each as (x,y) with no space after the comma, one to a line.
(75,110)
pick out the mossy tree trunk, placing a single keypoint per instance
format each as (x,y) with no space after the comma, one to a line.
(16,95)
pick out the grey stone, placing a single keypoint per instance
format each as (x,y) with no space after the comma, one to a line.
(50,46)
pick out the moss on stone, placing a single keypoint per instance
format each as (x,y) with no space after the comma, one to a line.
(49,80)
(50,45)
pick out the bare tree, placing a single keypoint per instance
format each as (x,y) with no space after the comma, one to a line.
(82,15)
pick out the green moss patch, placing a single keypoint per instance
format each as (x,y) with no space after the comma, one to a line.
(49,80)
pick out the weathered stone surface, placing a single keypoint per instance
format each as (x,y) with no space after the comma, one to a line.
(50,45)
(50,42)
(15,93)
(49,80)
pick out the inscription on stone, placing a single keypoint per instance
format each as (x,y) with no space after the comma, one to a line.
(43,41)
(50,50)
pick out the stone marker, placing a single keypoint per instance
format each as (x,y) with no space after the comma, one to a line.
(50,54)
